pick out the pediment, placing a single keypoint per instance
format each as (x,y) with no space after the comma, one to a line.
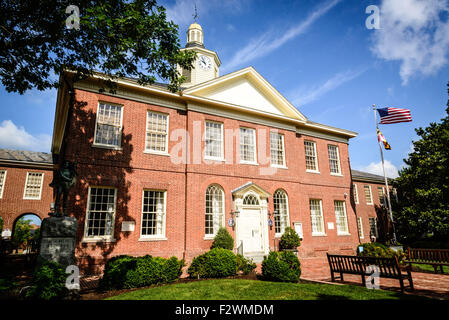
(250,186)
(247,88)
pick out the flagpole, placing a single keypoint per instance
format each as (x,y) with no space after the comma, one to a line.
(385,176)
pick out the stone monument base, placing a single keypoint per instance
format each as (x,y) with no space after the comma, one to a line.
(58,235)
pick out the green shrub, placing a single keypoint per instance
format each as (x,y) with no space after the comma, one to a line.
(133,272)
(375,249)
(289,240)
(216,263)
(245,265)
(281,266)
(223,239)
(48,281)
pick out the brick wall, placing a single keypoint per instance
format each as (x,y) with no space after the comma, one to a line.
(131,170)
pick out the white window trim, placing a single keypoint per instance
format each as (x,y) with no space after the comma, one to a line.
(223,218)
(323,233)
(255,162)
(154,237)
(370,193)
(149,151)
(40,188)
(338,161)
(316,158)
(4,183)
(284,163)
(360,227)
(279,234)
(105,238)
(345,233)
(220,158)
(107,146)
(384,202)
(356,197)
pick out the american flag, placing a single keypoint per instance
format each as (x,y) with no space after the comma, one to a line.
(394,115)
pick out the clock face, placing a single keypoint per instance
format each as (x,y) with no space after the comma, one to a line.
(205,62)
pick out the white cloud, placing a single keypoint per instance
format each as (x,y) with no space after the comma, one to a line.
(376,168)
(13,137)
(303,96)
(270,41)
(414,32)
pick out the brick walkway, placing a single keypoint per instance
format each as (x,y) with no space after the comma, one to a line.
(426,284)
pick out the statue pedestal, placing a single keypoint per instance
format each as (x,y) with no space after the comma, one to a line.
(58,235)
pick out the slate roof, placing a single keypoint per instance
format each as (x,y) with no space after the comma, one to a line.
(25,156)
(365,176)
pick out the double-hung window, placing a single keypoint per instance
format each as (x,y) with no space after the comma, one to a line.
(2,182)
(334,159)
(153,214)
(382,196)
(157,132)
(316,213)
(341,218)
(100,214)
(355,193)
(281,219)
(373,227)
(214,141)
(368,195)
(277,149)
(108,131)
(248,145)
(33,186)
(214,218)
(311,158)
(360,227)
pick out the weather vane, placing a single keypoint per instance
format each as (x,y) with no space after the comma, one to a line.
(195,16)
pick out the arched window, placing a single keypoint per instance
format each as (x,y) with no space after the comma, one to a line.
(281,220)
(251,200)
(214,209)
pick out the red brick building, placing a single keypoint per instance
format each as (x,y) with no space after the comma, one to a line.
(24,185)
(370,200)
(160,172)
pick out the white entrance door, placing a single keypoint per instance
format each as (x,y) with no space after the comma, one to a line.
(250,230)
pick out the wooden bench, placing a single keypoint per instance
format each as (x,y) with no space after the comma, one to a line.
(434,257)
(388,268)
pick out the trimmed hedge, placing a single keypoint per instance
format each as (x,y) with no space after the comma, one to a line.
(134,272)
(281,266)
(245,265)
(216,263)
(289,239)
(223,239)
(48,281)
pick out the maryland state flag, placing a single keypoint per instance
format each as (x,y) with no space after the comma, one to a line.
(381,138)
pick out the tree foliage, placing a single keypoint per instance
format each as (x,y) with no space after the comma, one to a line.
(116,37)
(22,232)
(423,185)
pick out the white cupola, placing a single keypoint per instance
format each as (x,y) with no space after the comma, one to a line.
(206,66)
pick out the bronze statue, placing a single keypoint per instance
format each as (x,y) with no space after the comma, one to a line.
(63,180)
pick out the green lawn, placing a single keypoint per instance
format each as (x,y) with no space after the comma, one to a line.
(428,267)
(238,289)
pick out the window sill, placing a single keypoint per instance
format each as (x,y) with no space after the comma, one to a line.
(101,146)
(248,162)
(143,239)
(336,174)
(215,159)
(343,234)
(211,237)
(30,198)
(319,235)
(157,153)
(278,166)
(95,240)
(313,171)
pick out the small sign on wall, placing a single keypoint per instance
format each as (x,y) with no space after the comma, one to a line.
(128,226)
(298,229)
(330,225)
(6,233)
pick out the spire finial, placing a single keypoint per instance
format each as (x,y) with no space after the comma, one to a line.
(195,15)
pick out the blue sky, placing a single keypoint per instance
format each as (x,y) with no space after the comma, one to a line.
(319,54)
